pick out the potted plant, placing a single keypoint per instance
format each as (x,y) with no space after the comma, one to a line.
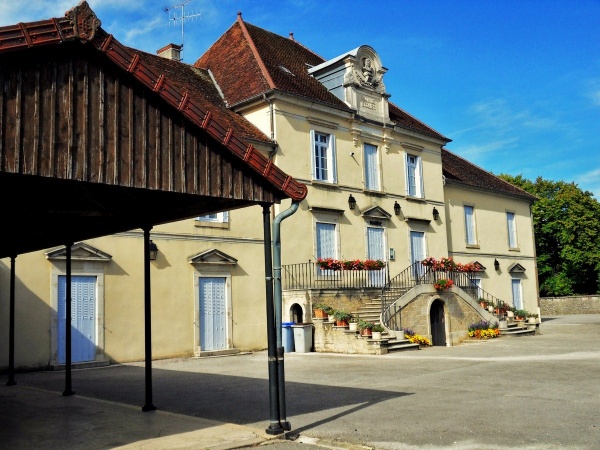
(532,318)
(330,314)
(320,310)
(342,318)
(365,328)
(353,324)
(483,303)
(442,284)
(520,314)
(376,332)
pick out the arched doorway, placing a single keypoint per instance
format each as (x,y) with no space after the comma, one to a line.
(296,313)
(438,323)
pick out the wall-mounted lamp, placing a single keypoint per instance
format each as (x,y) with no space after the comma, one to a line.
(351,202)
(397,208)
(496,264)
(436,214)
(153,251)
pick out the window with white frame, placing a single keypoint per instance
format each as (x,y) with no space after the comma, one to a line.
(372,177)
(414,176)
(221,217)
(470,233)
(323,157)
(512,230)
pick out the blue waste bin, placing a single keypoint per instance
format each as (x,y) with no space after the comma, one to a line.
(287,336)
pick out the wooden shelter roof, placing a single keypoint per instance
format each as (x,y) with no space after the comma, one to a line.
(97,138)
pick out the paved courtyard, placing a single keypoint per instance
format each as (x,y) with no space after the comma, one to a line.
(532,392)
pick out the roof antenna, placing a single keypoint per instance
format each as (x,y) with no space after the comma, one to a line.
(181,17)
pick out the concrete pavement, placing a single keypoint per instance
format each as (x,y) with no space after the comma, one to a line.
(535,392)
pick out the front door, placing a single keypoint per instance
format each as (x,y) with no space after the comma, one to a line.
(376,250)
(83,318)
(213,313)
(417,251)
(438,325)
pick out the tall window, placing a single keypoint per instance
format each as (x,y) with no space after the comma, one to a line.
(326,240)
(470,234)
(517,296)
(371,168)
(512,230)
(323,157)
(414,178)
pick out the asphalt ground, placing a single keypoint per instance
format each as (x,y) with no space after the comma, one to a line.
(530,392)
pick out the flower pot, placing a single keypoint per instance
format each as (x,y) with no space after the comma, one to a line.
(331,319)
(353,326)
(510,314)
(320,313)
(366,332)
(490,309)
(341,323)
(376,335)
(532,320)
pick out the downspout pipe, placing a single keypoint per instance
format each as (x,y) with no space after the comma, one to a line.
(278,307)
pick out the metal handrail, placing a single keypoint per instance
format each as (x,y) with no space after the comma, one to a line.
(310,276)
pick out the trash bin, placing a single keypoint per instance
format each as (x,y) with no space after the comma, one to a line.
(302,337)
(287,336)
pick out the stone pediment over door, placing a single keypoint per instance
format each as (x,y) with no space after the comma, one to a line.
(213,256)
(376,213)
(79,252)
(516,268)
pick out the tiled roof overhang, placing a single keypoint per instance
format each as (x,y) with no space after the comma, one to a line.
(81,23)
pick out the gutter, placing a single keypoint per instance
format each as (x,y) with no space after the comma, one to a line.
(278,305)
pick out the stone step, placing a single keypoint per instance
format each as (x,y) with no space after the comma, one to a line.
(400,346)
(517,333)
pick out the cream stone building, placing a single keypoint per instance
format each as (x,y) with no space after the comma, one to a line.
(381,186)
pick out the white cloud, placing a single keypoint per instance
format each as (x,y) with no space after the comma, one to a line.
(590,181)
(593,91)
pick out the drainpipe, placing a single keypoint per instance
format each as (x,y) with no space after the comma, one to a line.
(278,307)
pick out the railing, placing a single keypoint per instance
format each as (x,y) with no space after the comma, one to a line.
(417,274)
(310,276)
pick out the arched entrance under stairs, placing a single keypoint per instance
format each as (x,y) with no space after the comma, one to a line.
(438,323)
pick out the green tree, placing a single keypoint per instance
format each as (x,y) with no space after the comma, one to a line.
(566,224)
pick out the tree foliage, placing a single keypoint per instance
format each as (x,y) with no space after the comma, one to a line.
(566,223)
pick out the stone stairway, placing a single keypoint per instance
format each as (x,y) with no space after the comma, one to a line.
(371,312)
(517,329)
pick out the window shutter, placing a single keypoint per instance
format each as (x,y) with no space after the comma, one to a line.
(312,154)
(334,178)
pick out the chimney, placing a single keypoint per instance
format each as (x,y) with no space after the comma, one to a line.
(171,51)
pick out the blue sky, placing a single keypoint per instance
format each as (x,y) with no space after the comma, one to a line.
(514,84)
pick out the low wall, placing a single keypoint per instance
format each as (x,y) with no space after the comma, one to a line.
(580,304)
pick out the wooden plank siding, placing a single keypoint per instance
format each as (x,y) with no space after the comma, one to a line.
(66,115)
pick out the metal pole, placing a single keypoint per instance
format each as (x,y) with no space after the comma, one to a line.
(278,309)
(68,301)
(274,425)
(148,406)
(11,337)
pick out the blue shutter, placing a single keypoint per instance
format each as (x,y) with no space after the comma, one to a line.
(512,231)
(325,240)
(470,225)
(213,313)
(334,178)
(371,167)
(516,294)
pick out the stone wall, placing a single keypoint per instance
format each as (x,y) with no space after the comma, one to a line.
(581,304)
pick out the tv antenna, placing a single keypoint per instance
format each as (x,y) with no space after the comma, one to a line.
(182,17)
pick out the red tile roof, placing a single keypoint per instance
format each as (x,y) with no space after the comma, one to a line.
(461,171)
(248,61)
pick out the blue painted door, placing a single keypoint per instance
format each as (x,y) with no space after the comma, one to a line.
(417,251)
(376,250)
(213,314)
(83,318)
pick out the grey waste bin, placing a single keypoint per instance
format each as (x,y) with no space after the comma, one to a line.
(287,336)
(302,337)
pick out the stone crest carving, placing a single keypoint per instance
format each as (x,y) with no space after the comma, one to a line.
(84,21)
(367,71)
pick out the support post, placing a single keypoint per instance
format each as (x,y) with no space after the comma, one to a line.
(275,424)
(11,336)
(68,301)
(148,406)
